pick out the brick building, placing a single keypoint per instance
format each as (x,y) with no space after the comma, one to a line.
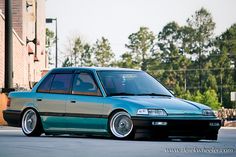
(27,65)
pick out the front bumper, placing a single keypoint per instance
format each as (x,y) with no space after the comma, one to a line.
(12,117)
(203,128)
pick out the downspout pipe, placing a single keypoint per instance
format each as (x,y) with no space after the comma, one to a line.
(8,80)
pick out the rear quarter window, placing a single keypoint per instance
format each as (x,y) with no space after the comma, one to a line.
(44,87)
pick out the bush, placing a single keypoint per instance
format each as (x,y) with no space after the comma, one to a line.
(209,97)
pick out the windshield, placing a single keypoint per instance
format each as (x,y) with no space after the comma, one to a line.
(131,83)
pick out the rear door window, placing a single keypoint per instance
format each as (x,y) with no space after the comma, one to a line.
(61,83)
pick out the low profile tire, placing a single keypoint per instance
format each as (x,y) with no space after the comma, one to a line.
(30,123)
(121,126)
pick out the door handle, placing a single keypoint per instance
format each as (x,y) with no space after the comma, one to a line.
(73,101)
(39,99)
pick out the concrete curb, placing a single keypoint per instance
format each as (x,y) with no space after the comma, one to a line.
(228,127)
(5,127)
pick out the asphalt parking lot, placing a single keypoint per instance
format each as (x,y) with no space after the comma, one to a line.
(14,144)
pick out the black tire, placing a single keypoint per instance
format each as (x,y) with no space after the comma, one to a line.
(121,126)
(30,123)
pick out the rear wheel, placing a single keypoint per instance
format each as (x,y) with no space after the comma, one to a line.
(121,125)
(31,124)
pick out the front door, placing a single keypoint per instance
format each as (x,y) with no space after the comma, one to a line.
(85,105)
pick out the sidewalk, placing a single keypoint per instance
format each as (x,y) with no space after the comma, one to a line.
(4,127)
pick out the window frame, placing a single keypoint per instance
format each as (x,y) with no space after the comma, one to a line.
(70,86)
(100,79)
(107,93)
(74,73)
(91,74)
(46,78)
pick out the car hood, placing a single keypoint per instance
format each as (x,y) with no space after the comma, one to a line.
(171,105)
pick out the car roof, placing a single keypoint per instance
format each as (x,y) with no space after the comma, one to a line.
(73,69)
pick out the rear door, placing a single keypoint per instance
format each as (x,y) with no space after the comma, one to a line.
(51,98)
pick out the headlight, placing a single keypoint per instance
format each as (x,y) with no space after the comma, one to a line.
(152,112)
(142,111)
(208,112)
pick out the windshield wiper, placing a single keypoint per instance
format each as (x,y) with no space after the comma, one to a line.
(120,94)
(154,94)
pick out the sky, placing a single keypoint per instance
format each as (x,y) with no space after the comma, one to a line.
(117,19)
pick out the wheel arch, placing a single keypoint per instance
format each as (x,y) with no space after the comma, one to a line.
(115,111)
(38,129)
(25,109)
(131,135)
(111,114)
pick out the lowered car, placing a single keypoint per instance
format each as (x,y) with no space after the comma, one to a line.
(113,102)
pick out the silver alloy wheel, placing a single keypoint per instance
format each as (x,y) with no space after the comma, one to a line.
(29,121)
(121,124)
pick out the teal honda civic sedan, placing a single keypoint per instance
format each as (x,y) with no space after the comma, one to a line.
(113,102)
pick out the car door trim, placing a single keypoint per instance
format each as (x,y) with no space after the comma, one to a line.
(73,115)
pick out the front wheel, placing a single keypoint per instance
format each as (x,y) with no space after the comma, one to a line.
(31,124)
(121,125)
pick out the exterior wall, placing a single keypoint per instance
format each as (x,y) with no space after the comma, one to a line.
(37,67)
(25,69)
(17,15)
(19,58)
